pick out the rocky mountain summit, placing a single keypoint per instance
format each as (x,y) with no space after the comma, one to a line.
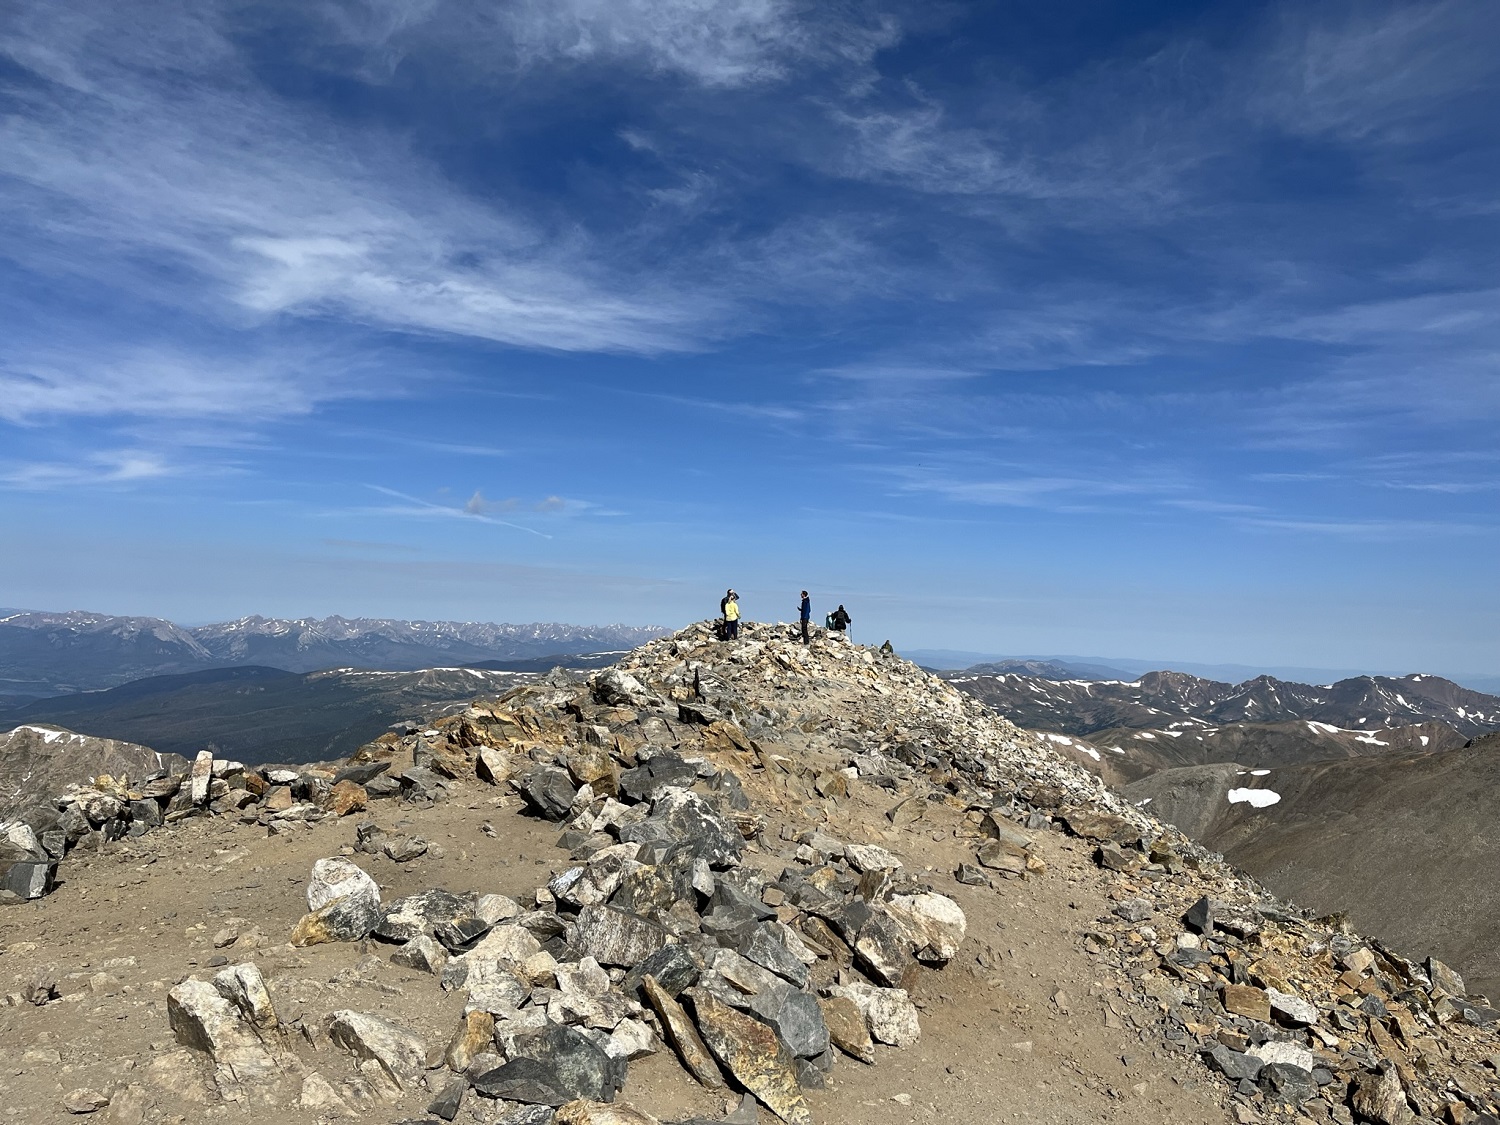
(38,760)
(716,882)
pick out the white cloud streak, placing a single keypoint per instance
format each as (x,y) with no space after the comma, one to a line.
(413,506)
(116,467)
(717,43)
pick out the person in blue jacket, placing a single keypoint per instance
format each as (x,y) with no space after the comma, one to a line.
(804,612)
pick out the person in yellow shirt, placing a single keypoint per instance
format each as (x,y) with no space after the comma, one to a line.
(731,615)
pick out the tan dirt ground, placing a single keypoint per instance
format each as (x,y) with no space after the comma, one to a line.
(998,1044)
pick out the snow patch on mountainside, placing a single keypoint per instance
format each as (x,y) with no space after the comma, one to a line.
(1255,798)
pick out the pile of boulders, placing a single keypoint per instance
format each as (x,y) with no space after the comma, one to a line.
(1390,1040)
(658,936)
(1293,1012)
(86,818)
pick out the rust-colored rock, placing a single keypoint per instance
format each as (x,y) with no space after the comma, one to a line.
(593,766)
(847,1028)
(1248,1001)
(682,1035)
(476,1033)
(751,1052)
(347,797)
(280,799)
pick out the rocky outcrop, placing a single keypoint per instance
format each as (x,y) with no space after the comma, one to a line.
(41,759)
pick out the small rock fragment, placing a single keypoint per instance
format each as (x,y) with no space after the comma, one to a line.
(84,1101)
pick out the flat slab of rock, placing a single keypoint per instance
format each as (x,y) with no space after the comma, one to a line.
(552,1066)
(1233,1064)
(1101,826)
(751,1052)
(420,914)
(1292,1009)
(344,919)
(1248,1001)
(84,1101)
(1278,1051)
(999,857)
(682,1035)
(400,1053)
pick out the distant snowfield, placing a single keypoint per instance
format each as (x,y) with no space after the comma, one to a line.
(1255,798)
(49,734)
(1066,741)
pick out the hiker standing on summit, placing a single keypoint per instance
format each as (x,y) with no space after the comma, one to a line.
(731,606)
(804,613)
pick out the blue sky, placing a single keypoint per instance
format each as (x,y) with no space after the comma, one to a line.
(1114,328)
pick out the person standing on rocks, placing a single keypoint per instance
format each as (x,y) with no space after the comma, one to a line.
(731,606)
(804,614)
(839,619)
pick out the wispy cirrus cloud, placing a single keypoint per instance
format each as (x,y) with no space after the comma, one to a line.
(143,156)
(719,43)
(99,468)
(1372,529)
(1371,72)
(40,381)
(476,508)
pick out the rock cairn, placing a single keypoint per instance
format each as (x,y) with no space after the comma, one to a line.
(710,910)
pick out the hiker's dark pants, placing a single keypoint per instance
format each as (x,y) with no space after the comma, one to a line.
(804,631)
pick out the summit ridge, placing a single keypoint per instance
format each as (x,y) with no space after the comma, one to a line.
(802,845)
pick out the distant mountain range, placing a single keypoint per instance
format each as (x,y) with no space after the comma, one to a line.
(258,714)
(1128,668)
(1048,670)
(47,654)
(1129,730)
(1185,704)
